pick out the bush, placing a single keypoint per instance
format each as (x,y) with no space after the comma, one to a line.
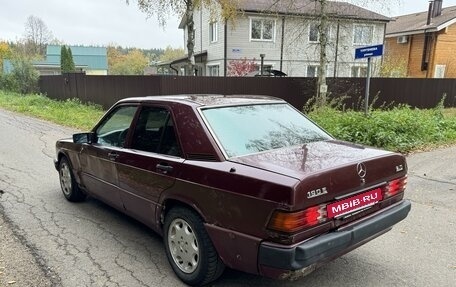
(22,79)
(400,128)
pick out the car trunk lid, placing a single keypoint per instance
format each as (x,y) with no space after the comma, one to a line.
(329,170)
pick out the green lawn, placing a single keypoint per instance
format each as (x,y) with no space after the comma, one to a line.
(71,113)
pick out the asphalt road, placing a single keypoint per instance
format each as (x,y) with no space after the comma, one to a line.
(47,241)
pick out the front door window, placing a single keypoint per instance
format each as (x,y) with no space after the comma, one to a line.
(113,131)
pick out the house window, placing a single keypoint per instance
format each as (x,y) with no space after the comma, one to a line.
(363,34)
(266,69)
(314,33)
(439,71)
(262,29)
(214,70)
(213,32)
(359,71)
(312,71)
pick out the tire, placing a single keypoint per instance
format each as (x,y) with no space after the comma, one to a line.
(68,184)
(189,248)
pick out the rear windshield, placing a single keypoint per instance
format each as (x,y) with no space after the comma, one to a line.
(249,129)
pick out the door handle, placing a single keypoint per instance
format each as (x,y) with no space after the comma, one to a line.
(113,156)
(164,168)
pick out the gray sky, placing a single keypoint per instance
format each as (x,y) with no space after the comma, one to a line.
(103,22)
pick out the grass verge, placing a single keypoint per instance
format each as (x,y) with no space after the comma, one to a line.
(71,113)
(401,128)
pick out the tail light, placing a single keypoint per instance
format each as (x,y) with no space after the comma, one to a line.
(294,221)
(394,187)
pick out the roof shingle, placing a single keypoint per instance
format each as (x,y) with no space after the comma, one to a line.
(416,23)
(310,8)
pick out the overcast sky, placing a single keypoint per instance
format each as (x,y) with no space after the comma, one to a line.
(103,22)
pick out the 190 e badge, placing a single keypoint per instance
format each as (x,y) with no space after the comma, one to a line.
(317,192)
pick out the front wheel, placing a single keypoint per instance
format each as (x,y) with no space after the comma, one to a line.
(189,248)
(69,186)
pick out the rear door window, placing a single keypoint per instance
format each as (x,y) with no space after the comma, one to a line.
(155,132)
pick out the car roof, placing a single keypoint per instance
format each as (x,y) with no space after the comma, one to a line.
(199,100)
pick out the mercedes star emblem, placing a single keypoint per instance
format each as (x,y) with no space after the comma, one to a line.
(361,169)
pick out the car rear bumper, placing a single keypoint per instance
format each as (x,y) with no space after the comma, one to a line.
(306,256)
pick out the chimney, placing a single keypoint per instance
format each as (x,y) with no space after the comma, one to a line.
(437,8)
(429,13)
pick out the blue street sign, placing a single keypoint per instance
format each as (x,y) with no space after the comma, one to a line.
(368,52)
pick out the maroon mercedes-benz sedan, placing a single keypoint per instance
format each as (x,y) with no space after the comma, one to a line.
(246,182)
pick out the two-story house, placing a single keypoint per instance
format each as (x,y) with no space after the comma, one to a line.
(422,45)
(286,33)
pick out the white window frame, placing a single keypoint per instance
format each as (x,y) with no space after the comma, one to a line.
(265,64)
(261,39)
(209,69)
(213,32)
(439,71)
(318,33)
(358,73)
(363,26)
(317,66)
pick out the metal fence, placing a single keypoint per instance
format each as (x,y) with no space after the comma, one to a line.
(106,90)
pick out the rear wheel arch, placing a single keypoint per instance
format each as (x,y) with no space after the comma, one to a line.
(170,203)
(63,154)
(60,156)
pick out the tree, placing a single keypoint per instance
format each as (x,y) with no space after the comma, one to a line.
(5,53)
(71,65)
(322,86)
(66,60)
(393,67)
(171,53)
(240,68)
(23,77)
(323,17)
(114,56)
(37,35)
(161,9)
(132,63)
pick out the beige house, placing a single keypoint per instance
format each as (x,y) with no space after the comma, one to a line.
(423,45)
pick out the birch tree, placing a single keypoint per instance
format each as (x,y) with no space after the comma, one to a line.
(323,17)
(162,9)
(37,36)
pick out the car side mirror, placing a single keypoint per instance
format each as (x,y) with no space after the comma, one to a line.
(85,138)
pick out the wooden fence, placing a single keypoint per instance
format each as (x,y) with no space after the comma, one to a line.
(106,90)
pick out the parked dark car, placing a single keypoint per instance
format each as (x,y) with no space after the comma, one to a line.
(246,182)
